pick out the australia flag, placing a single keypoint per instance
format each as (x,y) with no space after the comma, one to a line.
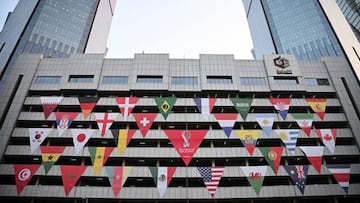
(298,174)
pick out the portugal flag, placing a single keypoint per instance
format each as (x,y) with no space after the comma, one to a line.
(49,155)
(272,156)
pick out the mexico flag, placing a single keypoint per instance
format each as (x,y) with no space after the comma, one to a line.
(162,177)
(318,105)
(49,155)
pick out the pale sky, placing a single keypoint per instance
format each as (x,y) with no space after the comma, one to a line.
(181,28)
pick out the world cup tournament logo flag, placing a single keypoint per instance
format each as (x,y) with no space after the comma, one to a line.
(318,105)
(80,138)
(64,120)
(144,121)
(248,138)
(341,173)
(122,138)
(281,105)
(23,174)
(104,121)
(117,177)
(126,105)
(186,142)
(242,105)
(289,138)
(298,175)
(162,177)
(304,120)
(273,156)
(255,175)
(205,106)
(70,174)
(165,104)
(49,155)
(211,177)
(314,155)
(37,136)
(87,104)
(49,104)
(99,156)
(226,121)
(265,120)
(328,137)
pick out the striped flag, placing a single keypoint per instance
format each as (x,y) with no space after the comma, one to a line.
(87,104)
(205,106)
(49,104)
(162,177)
(99,156)
(126,105)
(64,120)
(122,138)
(341,173)
(104,121)
(289,138)
(117,177)
(281,105)
(328,137)
(314,155)
(265,120)
(318,105)
(226,121)
(248,138)
(304,120)
(211,177)
(49,155)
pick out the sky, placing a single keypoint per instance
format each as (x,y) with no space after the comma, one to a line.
(181,28)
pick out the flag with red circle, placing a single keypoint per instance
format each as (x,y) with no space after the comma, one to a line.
(37,136)
(144,121)
(23,174)
(80,138)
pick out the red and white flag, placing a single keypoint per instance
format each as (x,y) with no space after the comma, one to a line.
(64,120)
(80,138)
(126,105)
(341,173)
(144,121)
(328,137)
(211,177)
(104,121)
(70,175)
(205,106)
(23,174)
(314,155)
(49,104)
(37,136)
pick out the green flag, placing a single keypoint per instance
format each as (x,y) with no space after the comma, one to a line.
(165,104)
(273,156)
(242,105)
(255,175)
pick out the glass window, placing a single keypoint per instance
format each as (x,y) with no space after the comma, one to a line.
(286,80)
(48,79)
(184,80)
(81,78)
(115,80)
(252,81)
(316,81)
(219,79)
(149,79)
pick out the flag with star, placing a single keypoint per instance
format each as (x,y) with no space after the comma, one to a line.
(304,120)
(104,121)
(70,174)
(87,104)
(298,175)
(117,177)
(255,175)
(165,104)
(315,155)
(226,121)
(211,177)
(272,156)
(23,174)
(64,120)
(248,138)
(242,105)
(80,138)
(122,138)
(281,105)
(49,155)
(318,105)
(265,120)
(162,177)
(328,137)
(144,121)
(205,106)
(126,105)
(99,156)
(341,173)
(49,104)
(37,136)
(289,138)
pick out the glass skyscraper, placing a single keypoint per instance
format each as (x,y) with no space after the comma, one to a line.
(351,10)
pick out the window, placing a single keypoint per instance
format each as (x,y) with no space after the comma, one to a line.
(115,80)
(316,81)
(81,78)
(219,79)
(252,81)
(149,79)
(48,79)
(286,80)
(184,80)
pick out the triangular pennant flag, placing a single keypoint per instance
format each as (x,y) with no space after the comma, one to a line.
(37,136)
(117,176)
(226,121)
(87,104)
(281,105)
(162,177)
(205,106)
(341,173)
(289,138)
(248,138)
(211,177)
(122,138)
(328,137)
(64,120)
(242,105)
(272,156)
(186,142)
(255,175)
(104,121)
(126,105)
(265,120)
(49,104)
(318,105)
(314,155)
(49,155)
(144,121)
(298,175)
(165,104)
(23,174)
(304,120)
(70,175)
(99,155)
(80,138)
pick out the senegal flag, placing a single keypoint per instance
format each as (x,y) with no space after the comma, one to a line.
(99,156)
(49,155)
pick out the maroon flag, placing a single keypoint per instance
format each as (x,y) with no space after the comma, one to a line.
(70,175)
(49,104)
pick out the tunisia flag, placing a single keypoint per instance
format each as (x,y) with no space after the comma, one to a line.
(23,174)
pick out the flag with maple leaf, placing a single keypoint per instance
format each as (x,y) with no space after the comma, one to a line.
(162,177)
(126,105)
(64,120)
(87,104)
(117,176)
(211,177)
(289,138)
(99,156)
(70,174)
(23,174)
(341,173)
(49,155)
(205,106)
(248,138)
(226,121)
(315,155)
(298,175)
(265,120)
(49,104)
(104,121)
(165,104)
(328,137)
(272,156)
(242,106)
(318,105)
(122,138)
(281,105)
(144,121)
(37,136)
(255,175)
(304,120)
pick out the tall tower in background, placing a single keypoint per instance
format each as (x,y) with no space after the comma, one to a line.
(55,28)
(351,10)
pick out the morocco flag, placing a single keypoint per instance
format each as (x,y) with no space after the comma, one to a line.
(70,174)
(162,177)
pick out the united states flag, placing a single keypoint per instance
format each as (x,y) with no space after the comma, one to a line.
(211,177)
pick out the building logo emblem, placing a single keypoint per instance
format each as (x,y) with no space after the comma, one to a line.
(282,63)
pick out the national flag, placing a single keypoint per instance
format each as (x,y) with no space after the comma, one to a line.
(186,142)
(64,120)
(70,174)
(87,104)
(265,120)
(298,175)
(226,121)
(49,155)
(314,155)
(80,138)
(104,121)
(211,177)
(248,138)
(37,136)
(318,105)
(23,174)
(165,104)
(205,106)
(281,105)
(126,105)
(304,120)
(162,177)
(328,137)
(99,156)
(242,105)
(289,138)
(341,173)
(117,176)
(255,175)
(144,121)
(122,138)
(49,104)
(272,156)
